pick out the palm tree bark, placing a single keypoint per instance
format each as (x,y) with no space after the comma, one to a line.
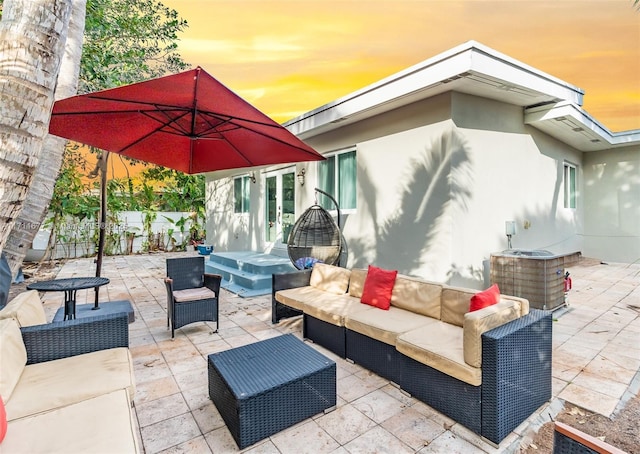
(32,40)
(39,195)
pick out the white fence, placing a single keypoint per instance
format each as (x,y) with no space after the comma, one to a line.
(126,235)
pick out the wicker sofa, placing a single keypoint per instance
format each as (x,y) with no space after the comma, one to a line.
(66,386)
(489,369)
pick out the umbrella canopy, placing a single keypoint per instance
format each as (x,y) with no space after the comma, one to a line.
(187,121)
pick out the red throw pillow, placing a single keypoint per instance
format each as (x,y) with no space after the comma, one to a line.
(487,298)
(378,286)
(3,420)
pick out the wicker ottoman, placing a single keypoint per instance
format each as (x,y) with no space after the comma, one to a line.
(265,387)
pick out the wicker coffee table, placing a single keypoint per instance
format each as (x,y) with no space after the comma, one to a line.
(265,387)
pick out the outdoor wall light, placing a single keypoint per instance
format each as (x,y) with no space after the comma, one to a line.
(301,176)
(510,230)
(252,177)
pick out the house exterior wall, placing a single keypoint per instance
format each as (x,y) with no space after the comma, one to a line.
(612,194)
(436,181)
(229,231)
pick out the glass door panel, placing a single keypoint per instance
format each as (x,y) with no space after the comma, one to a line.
(280,197)
(271,209)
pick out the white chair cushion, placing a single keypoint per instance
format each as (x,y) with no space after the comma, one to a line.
(193,294)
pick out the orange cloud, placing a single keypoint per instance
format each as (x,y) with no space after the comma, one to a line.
(289,57)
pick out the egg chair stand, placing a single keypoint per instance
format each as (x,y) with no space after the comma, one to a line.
(315,237)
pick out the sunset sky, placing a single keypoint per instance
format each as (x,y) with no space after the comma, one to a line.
(289,57)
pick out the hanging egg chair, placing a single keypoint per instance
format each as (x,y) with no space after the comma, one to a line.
(315,237)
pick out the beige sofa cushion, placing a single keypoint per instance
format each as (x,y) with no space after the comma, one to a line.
(455,303)
(66,381)
(296,297)
(439,345)
(523,302)
(382,325)
(483,320)
(329,278)
(100,424)
(334,308)
(356,282)
(26,308)
(417,295)
(13,357)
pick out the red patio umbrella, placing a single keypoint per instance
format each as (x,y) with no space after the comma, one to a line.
(187,121)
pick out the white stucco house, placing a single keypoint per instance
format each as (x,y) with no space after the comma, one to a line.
(430,163)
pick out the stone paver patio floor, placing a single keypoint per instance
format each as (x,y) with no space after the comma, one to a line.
(595,365)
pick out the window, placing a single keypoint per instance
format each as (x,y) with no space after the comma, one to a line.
(569,185)
(337,176)
(241,194)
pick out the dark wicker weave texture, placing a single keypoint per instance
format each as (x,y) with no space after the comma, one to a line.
(566,445)
(185,273)
(378,357)
(282,282)
(330,336)
(315,234)
(265,387)
(75,337)
(516,372)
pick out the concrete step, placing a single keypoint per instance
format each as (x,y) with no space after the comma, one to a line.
(247,273)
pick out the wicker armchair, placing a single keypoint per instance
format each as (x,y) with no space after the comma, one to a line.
(192,295)
(314,237)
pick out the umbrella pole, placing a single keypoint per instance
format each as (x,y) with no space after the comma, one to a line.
(103,219)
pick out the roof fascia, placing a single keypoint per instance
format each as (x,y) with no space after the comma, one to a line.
(440,69)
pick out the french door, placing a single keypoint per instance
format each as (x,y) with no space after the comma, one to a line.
(280,197)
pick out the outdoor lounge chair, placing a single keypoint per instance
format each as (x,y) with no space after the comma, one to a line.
(192,295)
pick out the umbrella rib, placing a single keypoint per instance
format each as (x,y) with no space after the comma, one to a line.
(228,119)
(271,137)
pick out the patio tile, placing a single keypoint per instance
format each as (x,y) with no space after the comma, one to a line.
(155,389)
(306,437)
(609,370)
(168,433)
(266,447)
(449,443)
(155,370)
(377,440)
(220,440)
(413,428)
(589,399)
(353,387)
(594,382)
(197,397)
(379,406)
(198,444)
(208,418)
(345,423)
(157,410)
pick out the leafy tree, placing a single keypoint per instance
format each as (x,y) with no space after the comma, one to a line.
(126,41)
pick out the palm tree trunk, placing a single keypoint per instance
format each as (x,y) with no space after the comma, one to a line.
(32,39)
(39,195)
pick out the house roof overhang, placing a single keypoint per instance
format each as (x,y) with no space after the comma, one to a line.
(478,70)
